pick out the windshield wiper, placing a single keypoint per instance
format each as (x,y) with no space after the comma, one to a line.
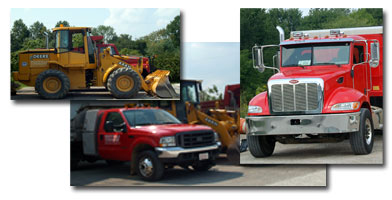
(327,63)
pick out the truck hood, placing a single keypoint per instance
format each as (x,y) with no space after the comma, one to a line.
(168,129)
(324,72)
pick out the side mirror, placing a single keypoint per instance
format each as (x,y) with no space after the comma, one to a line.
(120,127)
(108,126)
(374,54)
(258,58)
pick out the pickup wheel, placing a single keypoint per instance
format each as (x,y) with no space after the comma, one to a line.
(362,140)
(149,167)
(52,84)
(124,83)
(261,146)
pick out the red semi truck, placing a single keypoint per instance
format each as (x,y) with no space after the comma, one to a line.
(151,138)
(329,87)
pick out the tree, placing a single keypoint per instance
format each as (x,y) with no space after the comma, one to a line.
(210,94)
(64,23)
(106,31)
(173,31)
(19,33)
(38,30)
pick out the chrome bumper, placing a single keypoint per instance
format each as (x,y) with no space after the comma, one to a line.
(303,124)
(173,152)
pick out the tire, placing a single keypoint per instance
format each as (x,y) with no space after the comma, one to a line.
(52,84)
(261,146)
(362,141)
(124,83)
(202,166)
(149,167)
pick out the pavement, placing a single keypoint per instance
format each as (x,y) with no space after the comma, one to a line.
(318,153)
(94,93)
(223,174)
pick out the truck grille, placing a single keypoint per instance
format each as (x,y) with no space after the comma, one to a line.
(286,97)
(195,139)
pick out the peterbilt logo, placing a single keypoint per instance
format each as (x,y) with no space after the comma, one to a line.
(39,56)
(293,81)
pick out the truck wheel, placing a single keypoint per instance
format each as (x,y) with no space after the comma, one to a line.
(52,84)
(203,166)
(261,146)
(149,167)
(362,140)
(124,83)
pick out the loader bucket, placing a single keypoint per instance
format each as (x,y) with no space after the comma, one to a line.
(159,84)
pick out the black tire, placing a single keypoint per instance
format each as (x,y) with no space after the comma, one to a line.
(261,146)
(203,166)
(130,77)
(149,159)
(362,141)
(43,86)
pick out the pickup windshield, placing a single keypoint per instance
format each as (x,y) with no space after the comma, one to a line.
(315,54)
(145,117)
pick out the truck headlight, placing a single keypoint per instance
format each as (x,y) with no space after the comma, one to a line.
(216,137)
(346,106)
(254,109)
(169,141)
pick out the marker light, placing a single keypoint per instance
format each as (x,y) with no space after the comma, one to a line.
(254,109)
(346,106)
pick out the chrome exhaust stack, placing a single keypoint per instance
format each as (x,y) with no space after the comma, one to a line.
(281,33)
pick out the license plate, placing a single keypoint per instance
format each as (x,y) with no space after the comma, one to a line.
(203,156)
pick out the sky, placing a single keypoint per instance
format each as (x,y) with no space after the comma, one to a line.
(216,63)
(137,22)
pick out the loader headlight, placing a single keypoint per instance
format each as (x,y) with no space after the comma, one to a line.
(254,109)
(169,141)
(346,106)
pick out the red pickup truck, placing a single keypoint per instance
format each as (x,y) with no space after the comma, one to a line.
(151,138)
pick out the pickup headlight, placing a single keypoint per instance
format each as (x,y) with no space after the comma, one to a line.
(169,141)
(216,136)
(346,106)
(254,109)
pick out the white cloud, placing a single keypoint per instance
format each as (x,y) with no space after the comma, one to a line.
(139,22)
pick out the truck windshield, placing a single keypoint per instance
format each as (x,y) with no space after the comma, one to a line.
(144,117)
(315,54)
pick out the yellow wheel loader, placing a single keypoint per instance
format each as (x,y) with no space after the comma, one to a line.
(224,122)
(75,64)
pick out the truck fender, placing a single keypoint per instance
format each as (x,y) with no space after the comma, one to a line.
(109,71)
(138,145)
(345,94)
(262,101)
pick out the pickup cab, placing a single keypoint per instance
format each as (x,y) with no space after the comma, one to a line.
(150,138)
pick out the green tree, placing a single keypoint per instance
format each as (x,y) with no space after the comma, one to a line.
(63,22)
(173,31)
(106,31)
(19,33)
(38,30)
(210,94)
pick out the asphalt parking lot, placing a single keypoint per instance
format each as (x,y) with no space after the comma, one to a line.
(223,174)
(318,153)
(94,93)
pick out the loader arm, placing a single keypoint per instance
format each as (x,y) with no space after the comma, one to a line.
(226,129)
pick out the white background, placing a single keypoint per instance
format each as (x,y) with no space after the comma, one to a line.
(34,137)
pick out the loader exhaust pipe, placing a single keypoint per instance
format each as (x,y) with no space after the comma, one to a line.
(47,40)
(281,33)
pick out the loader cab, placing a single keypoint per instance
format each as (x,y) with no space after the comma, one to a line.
(190,91)
(74,47)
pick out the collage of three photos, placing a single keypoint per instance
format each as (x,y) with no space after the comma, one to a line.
(302,89)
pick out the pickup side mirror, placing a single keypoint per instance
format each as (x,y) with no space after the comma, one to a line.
(108,126)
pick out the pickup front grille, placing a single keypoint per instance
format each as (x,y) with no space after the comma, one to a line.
(195,139)
(286,97)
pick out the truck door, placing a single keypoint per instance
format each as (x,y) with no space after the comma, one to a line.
(361,70)
(112,137)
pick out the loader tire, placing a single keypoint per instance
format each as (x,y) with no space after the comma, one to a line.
(124,83)
(261,146)
(52,84)
(362,141)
